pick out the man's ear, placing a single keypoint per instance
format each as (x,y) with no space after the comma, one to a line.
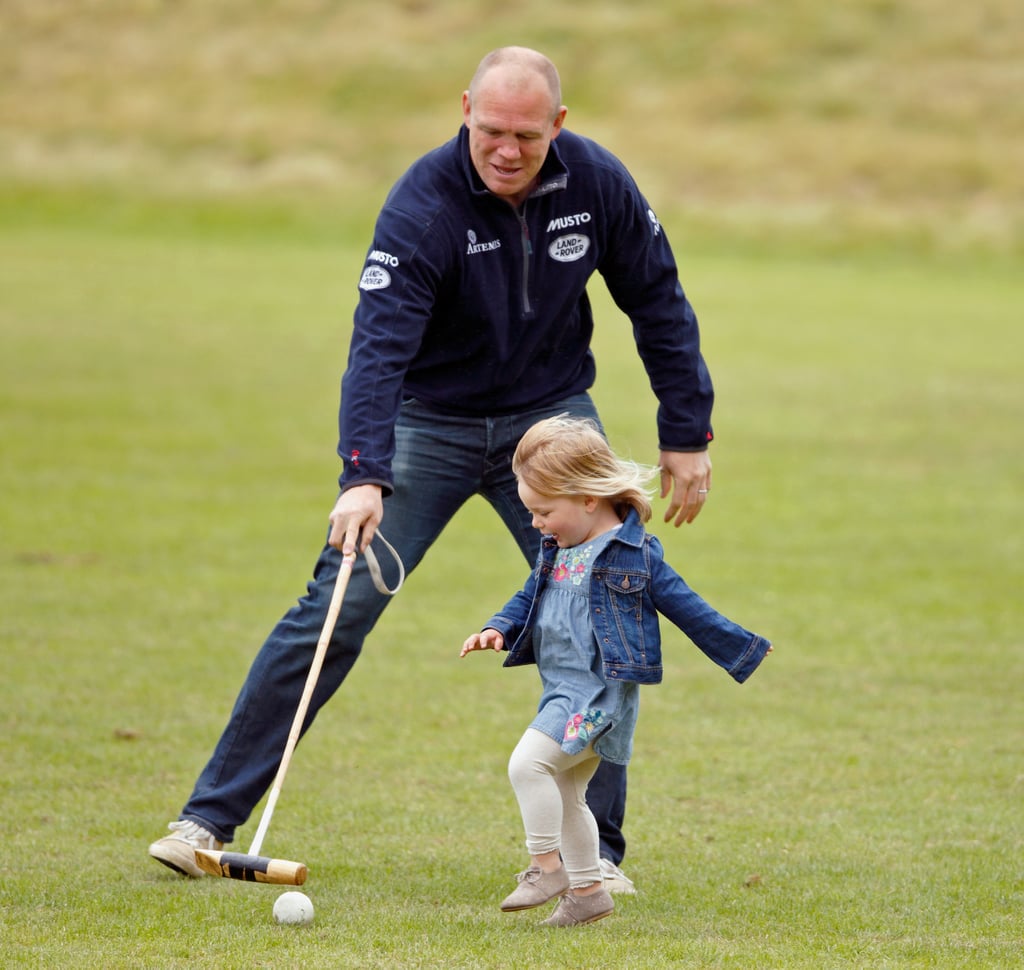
(559,120)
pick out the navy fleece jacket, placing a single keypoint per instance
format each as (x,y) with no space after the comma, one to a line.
(474,307)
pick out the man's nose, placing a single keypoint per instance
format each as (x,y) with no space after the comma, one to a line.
(509,147)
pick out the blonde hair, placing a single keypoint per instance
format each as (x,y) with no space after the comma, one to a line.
(564,456)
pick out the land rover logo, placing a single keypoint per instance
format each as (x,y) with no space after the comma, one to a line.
(567,249)
(375,278)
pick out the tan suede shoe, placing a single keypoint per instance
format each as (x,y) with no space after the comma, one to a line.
(573,910)
(535,888)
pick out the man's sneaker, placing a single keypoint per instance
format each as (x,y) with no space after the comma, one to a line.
(573,910)
(535,888)
(615,880)
(178,851)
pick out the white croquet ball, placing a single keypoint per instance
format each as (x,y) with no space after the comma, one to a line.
(293,909)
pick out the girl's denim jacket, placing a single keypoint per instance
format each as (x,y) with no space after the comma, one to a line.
(630,585)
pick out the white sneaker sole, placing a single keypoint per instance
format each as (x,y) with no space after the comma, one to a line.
(176,854)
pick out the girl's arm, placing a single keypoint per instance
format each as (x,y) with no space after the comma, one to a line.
(513,617)
(723,641)
(507,623)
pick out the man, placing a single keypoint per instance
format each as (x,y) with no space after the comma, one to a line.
(472,324)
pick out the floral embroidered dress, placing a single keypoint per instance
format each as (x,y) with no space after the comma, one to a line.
(577,704)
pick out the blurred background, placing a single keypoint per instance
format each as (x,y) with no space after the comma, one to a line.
(848,123)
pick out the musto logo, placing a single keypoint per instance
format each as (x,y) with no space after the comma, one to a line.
(567,249)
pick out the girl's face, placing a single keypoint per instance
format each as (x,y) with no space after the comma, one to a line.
(569,519)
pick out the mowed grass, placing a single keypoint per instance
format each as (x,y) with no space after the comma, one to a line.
(167,397)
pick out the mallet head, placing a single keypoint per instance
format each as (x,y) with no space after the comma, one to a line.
(251,868)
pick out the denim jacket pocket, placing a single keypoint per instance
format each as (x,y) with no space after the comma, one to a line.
(624,602)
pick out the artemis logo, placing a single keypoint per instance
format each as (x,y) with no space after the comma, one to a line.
(567,249)
(567,222)
(375,278)
(477,247)
(381,257)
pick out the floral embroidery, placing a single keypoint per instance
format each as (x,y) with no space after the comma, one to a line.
(572,564)
(583,726)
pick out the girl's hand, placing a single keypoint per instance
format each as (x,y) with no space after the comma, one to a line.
(487,640)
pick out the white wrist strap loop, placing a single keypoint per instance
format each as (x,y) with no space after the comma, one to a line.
(374,566)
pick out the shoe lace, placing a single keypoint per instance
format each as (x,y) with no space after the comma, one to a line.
(529,875)
(192,832)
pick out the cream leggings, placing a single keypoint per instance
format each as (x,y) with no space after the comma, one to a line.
(551,789)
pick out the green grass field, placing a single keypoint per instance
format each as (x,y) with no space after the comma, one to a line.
(168,426)
(170,349)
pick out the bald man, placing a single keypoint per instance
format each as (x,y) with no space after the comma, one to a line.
(472,324)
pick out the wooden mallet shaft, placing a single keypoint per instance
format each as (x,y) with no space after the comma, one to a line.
(253,867)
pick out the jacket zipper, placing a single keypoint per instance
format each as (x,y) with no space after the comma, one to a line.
(527,253)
